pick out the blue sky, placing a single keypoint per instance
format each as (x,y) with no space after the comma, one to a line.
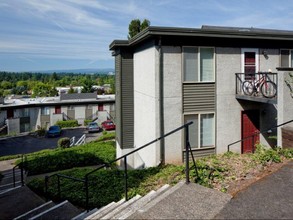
(74,34)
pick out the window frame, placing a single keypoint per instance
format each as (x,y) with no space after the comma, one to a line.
(199,129)
(45,110)
(290,57)
(243,51)
(198,65)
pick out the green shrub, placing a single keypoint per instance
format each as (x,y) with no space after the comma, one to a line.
(264,155)
(87,121)
(60,159)
(64,142)
(67,124)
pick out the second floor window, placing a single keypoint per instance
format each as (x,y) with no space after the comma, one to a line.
(198,64)
(286,58)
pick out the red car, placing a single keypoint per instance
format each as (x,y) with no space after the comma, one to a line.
(108,125)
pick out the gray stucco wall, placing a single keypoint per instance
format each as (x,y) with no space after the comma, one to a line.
(228,110)
(172,72)
(228,126)
(146,103)
(13,126)
(285,101)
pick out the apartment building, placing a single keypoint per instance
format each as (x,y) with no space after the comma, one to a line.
(168,76)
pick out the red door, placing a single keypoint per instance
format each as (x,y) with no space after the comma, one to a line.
(250,130)
(57,109)
(100,107)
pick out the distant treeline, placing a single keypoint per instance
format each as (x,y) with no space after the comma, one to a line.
(44,84)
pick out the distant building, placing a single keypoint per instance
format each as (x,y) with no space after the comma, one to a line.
(28,114)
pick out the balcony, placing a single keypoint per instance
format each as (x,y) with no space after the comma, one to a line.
(257,87)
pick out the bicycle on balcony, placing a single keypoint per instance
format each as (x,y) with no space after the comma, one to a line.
(263,85)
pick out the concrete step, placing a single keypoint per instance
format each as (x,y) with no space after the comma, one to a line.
(17,201)
(104,210)
(184,201)
(156,200)
(123,206)
(8,190)
(35,211)
(9,186)
(64,210)
(130,210)
(84,214)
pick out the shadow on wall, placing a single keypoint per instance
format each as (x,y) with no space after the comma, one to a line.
(289,83)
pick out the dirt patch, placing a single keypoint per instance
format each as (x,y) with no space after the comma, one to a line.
(259,172)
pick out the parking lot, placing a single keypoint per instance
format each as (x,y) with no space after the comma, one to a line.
(30,143)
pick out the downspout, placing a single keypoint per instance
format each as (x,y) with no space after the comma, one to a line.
(161,103)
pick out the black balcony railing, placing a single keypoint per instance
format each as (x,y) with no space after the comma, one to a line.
(259,87)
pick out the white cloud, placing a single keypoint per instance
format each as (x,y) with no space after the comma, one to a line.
(83,29)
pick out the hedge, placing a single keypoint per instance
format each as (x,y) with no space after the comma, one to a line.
(67,124)
(60,159)
(87,121)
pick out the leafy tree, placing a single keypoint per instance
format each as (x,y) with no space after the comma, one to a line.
(6,85)
(137,26)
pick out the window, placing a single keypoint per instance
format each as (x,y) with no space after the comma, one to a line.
(24,112)
(286,58)
(202,131)
(198,64)
(249,62)
(45,111)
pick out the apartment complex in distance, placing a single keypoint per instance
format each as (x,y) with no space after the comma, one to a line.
(28,114)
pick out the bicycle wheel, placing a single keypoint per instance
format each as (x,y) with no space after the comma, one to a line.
(268,89)
(247,87)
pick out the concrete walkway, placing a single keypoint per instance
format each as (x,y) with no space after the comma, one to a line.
(268,198)
(7,165)
(184,201)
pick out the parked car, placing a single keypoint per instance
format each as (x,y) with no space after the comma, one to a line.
(54,131)
(108,125)
(93,127)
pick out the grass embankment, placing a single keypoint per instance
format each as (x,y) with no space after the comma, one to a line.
(217,171)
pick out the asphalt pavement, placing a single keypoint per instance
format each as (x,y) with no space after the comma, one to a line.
(268,198)
(29,143)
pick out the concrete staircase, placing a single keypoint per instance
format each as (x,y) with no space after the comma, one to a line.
(22,203)
(7,181)
(181,201)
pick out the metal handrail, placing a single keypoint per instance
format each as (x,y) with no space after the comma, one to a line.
(85,180)
(21,165)
(58,183)
(81,140)
(257,133)
(72,140)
